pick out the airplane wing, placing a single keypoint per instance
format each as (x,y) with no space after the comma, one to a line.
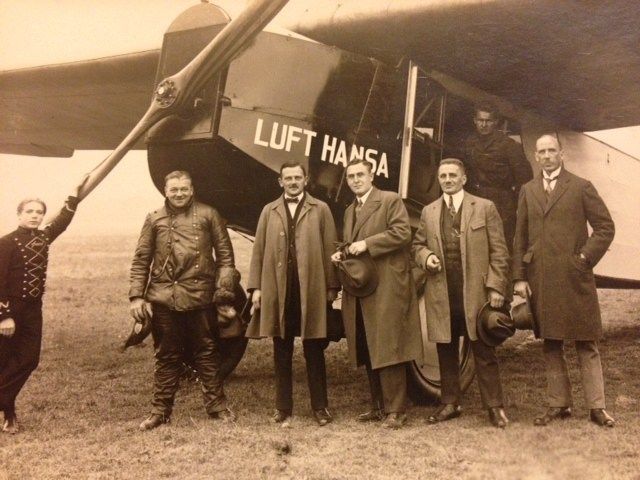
(574,63)
(89,105)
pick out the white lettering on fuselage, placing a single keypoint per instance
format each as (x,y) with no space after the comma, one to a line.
(334,150)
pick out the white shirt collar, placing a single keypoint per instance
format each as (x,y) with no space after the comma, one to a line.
(553,175)
(293,206)
(299,196)
(364,197)
(457,199)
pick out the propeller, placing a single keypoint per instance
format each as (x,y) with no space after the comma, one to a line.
(175,93)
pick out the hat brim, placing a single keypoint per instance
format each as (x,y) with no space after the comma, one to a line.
(483,335)
(358,288)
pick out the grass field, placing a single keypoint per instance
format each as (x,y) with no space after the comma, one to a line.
(80,410)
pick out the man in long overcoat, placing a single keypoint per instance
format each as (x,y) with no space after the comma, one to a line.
(553,261)
(460,243)
(382,329)
(292,280)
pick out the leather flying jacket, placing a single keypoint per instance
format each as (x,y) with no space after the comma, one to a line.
(174,265)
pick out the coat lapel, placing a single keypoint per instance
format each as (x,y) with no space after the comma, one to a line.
(370,206)
(434,221)
(468,205)
(347,232)
(468,208)
(306,206)
(538,192)
(280,210)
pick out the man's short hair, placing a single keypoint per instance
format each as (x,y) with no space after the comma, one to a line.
(292,165)
(550,135)
(357,161)
(453,161)
(177,174)
(486,106)
(29,200)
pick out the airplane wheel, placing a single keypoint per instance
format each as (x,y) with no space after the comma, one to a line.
(423,382)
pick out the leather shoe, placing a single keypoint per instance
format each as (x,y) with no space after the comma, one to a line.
(602,418)
(497,417)
(552,413)
(280,416)
(375,415)
(10,425)
(322,416)
(153,421)
(226,415)
(394,420)
(445,412)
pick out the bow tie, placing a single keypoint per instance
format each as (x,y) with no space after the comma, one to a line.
(291,199)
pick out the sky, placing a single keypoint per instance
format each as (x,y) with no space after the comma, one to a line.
(38,32)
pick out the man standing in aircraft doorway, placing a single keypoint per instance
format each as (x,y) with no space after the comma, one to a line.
(461,246)
(553,260)
(173,279)
(496,166)
(292,280)
(383,327)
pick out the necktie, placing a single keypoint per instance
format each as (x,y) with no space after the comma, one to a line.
(358,207)
(547,187)
(452,208)
(291,199)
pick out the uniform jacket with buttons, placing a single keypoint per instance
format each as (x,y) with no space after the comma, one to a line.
(174,263)
(24,255)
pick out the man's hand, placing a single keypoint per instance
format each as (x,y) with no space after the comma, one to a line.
(433,264)
(76,191)
(337,257)
(332,294)
(521,288)
(7,327)
(255,301)
(356,248)
(495,299)
(140,309)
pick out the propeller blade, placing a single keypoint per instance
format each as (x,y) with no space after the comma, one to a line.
(175,93)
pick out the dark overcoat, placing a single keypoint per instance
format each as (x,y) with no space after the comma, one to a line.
(485,263)
(315,242)
(390,314)
(549,239)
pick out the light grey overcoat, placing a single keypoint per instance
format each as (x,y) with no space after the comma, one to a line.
(485,263)
(315,242)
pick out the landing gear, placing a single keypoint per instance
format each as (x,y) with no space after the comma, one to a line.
(423,383)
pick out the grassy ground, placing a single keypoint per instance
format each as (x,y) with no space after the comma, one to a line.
(81,408)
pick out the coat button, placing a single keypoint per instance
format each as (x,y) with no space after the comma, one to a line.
(175,283)
(282,234)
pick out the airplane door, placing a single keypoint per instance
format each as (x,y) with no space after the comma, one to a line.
(422,139)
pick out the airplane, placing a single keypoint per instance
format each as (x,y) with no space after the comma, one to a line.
(326,81)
